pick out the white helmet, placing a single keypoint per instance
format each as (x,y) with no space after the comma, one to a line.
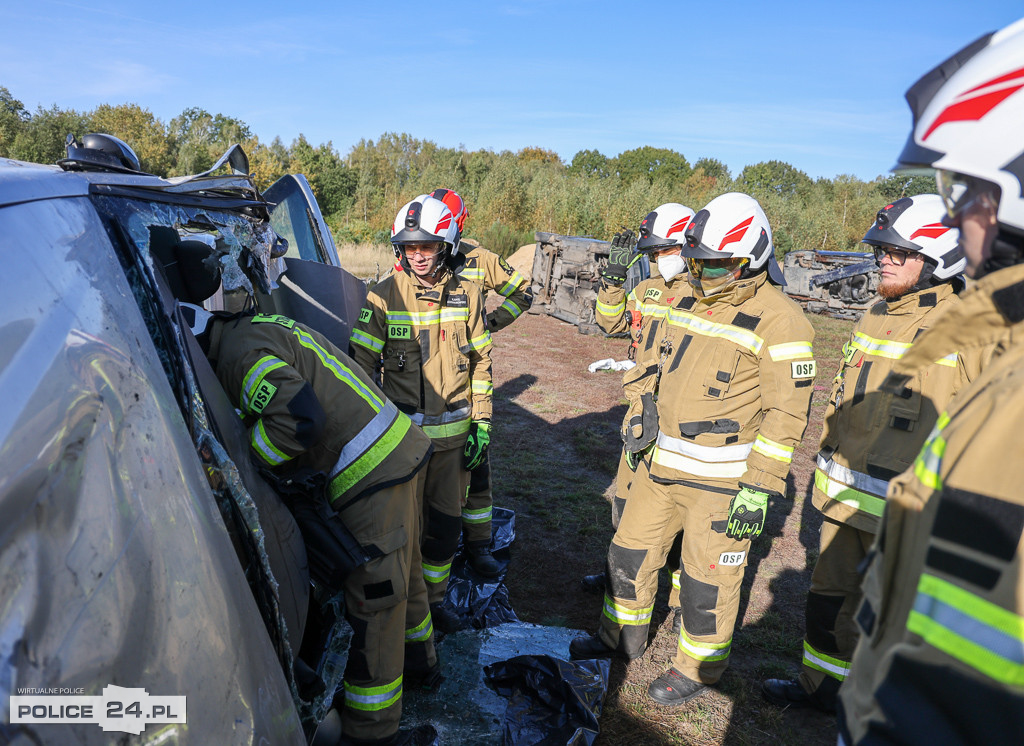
(425,220)
(664,227)
(733,226)
(915,224)
(968,117)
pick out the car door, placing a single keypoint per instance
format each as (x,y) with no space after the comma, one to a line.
(313,287)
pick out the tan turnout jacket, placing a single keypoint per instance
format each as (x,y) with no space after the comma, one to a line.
(735,389)
(434,349)
(941,655)
(493,274)
(870,436)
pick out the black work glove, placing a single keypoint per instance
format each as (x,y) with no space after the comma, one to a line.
(621,256)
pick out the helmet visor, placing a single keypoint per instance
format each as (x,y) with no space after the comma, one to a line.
(959,191)
(711,275)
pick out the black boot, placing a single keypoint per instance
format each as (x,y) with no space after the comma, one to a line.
(789,693)
(481,560)
(593,583)
(672,688)
(586,648)
(444,619)
(428,681)
(677,621)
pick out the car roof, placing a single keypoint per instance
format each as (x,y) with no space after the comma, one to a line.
(27,182)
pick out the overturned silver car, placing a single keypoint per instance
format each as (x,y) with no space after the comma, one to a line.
(139,549)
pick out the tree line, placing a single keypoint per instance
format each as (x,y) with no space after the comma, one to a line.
(509,194)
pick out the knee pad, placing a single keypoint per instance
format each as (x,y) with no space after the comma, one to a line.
(699,601)
(822,612)
(622,568)
(443,532)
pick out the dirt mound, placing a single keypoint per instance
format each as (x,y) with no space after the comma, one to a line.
(522,260)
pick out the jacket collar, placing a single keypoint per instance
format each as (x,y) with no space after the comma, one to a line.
(911,302)
(983,316)
(734,294)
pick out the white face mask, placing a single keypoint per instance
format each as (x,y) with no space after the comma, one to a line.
(671,266)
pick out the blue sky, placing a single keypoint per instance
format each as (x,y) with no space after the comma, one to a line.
(816,84)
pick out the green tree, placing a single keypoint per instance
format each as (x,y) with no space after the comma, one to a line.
(43,136)
(333,183)
(895,186)
(13,118)
(590,163)
(774,177)
(651,164)
(143,132)
(714,169)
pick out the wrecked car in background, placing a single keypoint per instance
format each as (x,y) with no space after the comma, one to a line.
(139,548)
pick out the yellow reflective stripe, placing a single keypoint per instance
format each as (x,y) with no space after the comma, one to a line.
(373,698)
(622,615)
(481,342)
(512,308)
(447,429)
(252,380)
(974,631)
(513,282)
(370,459)
(726,470)
(653,310)
(482,387)
(473,274)
(454,314)
(837,668)
(949,361)
(773,450)
(605,310)
(341,371)
(421,632)
(436,573)
(790,351)
(675,580)
(422,318)
(929,460)
(742,337)
(368,341)
(880,347)
(262,445)
(483,515)
(848,495)
(704,651)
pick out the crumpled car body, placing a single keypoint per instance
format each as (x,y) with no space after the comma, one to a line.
(138,547)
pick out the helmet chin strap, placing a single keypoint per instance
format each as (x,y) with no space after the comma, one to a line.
(1007,251)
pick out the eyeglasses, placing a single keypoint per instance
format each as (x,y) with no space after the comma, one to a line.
(712,269)
(420,249)
(959,191)
(897,256)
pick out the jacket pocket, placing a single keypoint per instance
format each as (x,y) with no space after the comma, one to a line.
(402,373)
(455,362)
(721,372)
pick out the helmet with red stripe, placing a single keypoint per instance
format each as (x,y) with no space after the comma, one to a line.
(454,203)
(663,228)
(915,224)
(425,220)
(733,226)
(967,124)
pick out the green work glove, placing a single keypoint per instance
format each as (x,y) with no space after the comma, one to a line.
(477,444)
(747,513)
(633,458)
(622,255)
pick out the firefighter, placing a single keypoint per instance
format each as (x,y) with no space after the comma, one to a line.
(725,406)
(871,436)
(324,433)
(941,653)
(493,274)
(425,329)
(643,311)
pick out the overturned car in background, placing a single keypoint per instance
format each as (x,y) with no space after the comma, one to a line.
(139,548)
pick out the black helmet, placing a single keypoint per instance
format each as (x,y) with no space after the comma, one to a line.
(99,152)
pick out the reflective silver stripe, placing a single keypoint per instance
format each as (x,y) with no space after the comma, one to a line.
(365,438)
(712,454)
(838,669)
(441,419)
(483,515)
(855,479)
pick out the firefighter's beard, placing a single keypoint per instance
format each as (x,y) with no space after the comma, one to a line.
(894,288)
